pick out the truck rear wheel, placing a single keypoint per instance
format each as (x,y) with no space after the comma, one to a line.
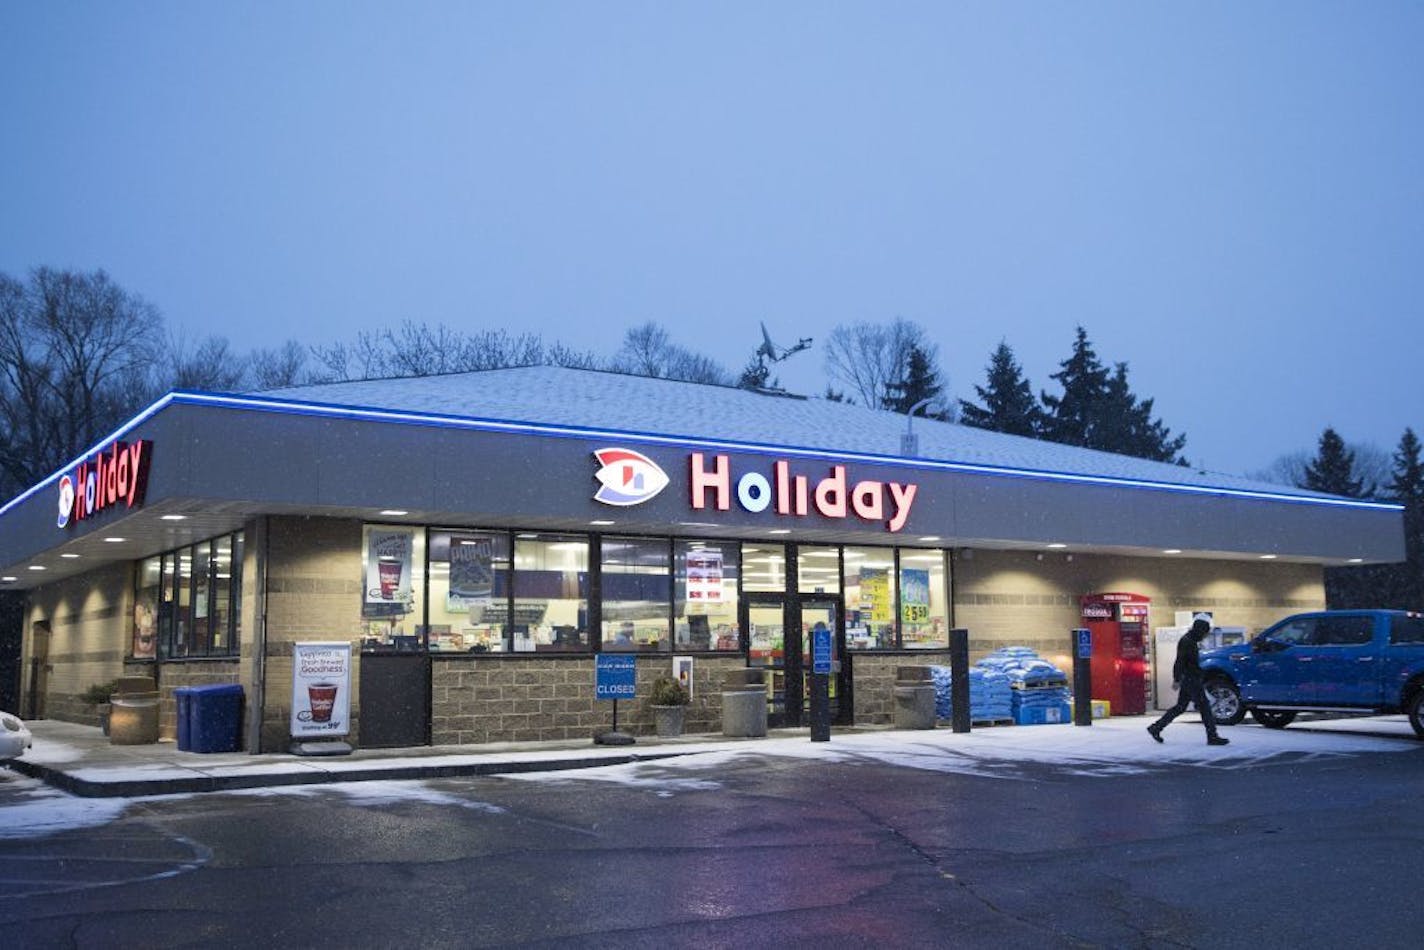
(1416,712)
(1273,718)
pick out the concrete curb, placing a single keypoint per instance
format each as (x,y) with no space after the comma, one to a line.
(140,787)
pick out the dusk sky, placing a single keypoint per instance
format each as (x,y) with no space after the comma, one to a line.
(1229,196)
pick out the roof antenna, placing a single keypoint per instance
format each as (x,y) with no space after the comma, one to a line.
(770,351)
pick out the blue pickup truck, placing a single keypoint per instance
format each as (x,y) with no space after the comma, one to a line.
(1340,661)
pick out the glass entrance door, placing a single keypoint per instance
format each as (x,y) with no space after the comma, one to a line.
(824,611)
(767,649)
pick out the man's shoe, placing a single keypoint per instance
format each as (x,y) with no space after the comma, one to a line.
(1155,732)
(1217,740)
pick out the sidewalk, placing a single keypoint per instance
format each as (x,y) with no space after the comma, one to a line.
(80,760)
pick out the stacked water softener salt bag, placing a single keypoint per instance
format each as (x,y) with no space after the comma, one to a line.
(990,697)
(1035,682)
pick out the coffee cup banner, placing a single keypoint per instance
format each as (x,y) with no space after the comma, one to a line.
(321,690)
(388,566)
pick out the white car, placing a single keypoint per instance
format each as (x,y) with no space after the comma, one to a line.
(15,737)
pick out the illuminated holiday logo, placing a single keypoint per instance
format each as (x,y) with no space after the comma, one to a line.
(118,473)
(627,478)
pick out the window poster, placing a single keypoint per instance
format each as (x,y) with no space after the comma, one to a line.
(145,641)
(875,603)
(471,572)
(914,596)
(704,577)
(321,690)
(388,571)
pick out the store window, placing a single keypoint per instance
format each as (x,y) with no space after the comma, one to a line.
(550,593)
(818,570)
(393,588)
(869,584)
(187,602)
(764,567)
(706,596)
(469,591)
(924,600)
(637,594)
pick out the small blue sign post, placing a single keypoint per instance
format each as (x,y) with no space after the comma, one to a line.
(821,650)
(1082,677)
(615,678)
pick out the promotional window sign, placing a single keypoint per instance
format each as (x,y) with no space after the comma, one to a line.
(914,595)
(471,572)
(875,601)
(321,690)
(388,571)
(704,577)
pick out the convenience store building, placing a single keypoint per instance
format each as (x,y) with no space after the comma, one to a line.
(477,540)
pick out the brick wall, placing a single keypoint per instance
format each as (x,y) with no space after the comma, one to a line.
(88,617)
(1011,598)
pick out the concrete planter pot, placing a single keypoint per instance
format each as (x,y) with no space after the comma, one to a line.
(668,720)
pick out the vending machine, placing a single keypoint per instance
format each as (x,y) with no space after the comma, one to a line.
(1119,624)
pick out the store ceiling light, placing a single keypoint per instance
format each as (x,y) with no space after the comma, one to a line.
(930,537)
(69,556)
(37,567)
(394,512)
(9,579)
(1268,557)
(1171,550)
(1057,546)
(173,518)
(779,531)
(1356,560)
(115,540)
(602,523)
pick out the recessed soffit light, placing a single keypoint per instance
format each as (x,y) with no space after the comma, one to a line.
(395,512)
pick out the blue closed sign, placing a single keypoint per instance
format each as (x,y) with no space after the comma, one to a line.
(615,677)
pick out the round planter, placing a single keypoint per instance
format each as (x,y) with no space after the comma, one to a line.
(668,720)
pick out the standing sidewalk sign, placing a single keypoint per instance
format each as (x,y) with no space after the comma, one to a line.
(615,678)
(321,690)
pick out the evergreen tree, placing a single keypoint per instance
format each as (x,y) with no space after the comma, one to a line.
(1008,400)
(1098,410)
(754,375)
(1407,483)
(1083,378)
(1333,468)
(1125,425)
(919,382)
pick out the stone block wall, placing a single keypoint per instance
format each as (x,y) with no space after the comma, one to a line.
(873,683)
(478,699)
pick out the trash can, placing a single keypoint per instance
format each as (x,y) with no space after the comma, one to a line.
(914,698)
(133,711)
(183,696)
(214,717)
(744,703)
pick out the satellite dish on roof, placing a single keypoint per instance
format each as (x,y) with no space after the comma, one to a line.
(770,351)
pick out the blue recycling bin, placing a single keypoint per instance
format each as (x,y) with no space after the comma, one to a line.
(184,697)
(214,718)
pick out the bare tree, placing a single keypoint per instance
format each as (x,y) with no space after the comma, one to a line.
(278,369)
(75,350)
(869,358)
(648,350)
(1372,466)
(209,365)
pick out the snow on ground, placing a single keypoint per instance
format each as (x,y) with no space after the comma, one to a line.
(1108,748)
(32,809)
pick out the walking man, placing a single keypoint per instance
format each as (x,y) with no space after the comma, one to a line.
(1187,676)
